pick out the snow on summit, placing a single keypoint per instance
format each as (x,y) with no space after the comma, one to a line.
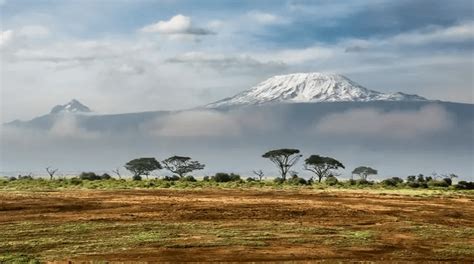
(310,87)
(73,106)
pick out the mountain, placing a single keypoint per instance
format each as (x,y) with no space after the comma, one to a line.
(74,106)
(358,126)
(309,88)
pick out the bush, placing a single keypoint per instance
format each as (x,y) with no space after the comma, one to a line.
(364,182)
(234,177)
(25,177)
(91,176)
(11,178)
(464,185)
(436,183)
(137,178)
(352,182)
(392,182)
(331,180)
(172,178)
(206,178)
(250,179)
(411,178)
(75,181)
(224,177)
(297,180)
(105,176)
(189,179)
(448,181)
(278,180)
(417,181)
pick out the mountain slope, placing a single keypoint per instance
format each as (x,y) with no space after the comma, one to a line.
(310,87)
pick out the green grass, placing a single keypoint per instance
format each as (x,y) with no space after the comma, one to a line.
(442,232)
(18,258)
(456,250)
(59,241)
(66,184)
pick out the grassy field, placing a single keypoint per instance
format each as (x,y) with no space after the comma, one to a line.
(112,184)
(229,223)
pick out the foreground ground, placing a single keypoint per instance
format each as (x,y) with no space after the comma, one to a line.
(235,225)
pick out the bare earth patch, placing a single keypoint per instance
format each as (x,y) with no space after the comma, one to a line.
(234,225)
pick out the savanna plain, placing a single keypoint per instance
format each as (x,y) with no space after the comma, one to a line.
(90,223)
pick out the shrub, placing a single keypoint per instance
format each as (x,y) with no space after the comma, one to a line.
(221,177)
(448,181)
(420,178)
(278,180)
(250,179)
(75,181)
(11,178)
(206,178)
(417,181)
(234,177)
(91,176)
(331,180)
(464,185)
(225,177)
(436,183)
(188,178)
(172,178)
(364,182)
(25,177)
(297,180)
(105,176)
(394,181)
(352,182)
(137,178)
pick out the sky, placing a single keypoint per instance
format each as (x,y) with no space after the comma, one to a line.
(119,56)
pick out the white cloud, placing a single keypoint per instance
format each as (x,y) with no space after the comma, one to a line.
(266,18)
(5,37)
(195,124)
(67,126)
(130,69)
(215,24)
(297,56)
(222,62)
(373,123)
(457,33)
(34,31)
(179,25)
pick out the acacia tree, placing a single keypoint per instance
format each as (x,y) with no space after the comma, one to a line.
(181,165)
(284,159)
(259,174)
(321,166)
(51,172)
(117,172)
(364,172)
(142,166)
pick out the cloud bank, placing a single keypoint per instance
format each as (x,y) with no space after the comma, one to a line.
(373,123)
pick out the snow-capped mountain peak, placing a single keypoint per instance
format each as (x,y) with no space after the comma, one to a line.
(74,106)
(310,87)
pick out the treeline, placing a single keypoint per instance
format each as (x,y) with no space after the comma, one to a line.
(321,167)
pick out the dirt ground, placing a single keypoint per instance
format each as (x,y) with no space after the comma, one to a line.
(149,226)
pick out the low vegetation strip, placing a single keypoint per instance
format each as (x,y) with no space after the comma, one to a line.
(213,224)
(233,181)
